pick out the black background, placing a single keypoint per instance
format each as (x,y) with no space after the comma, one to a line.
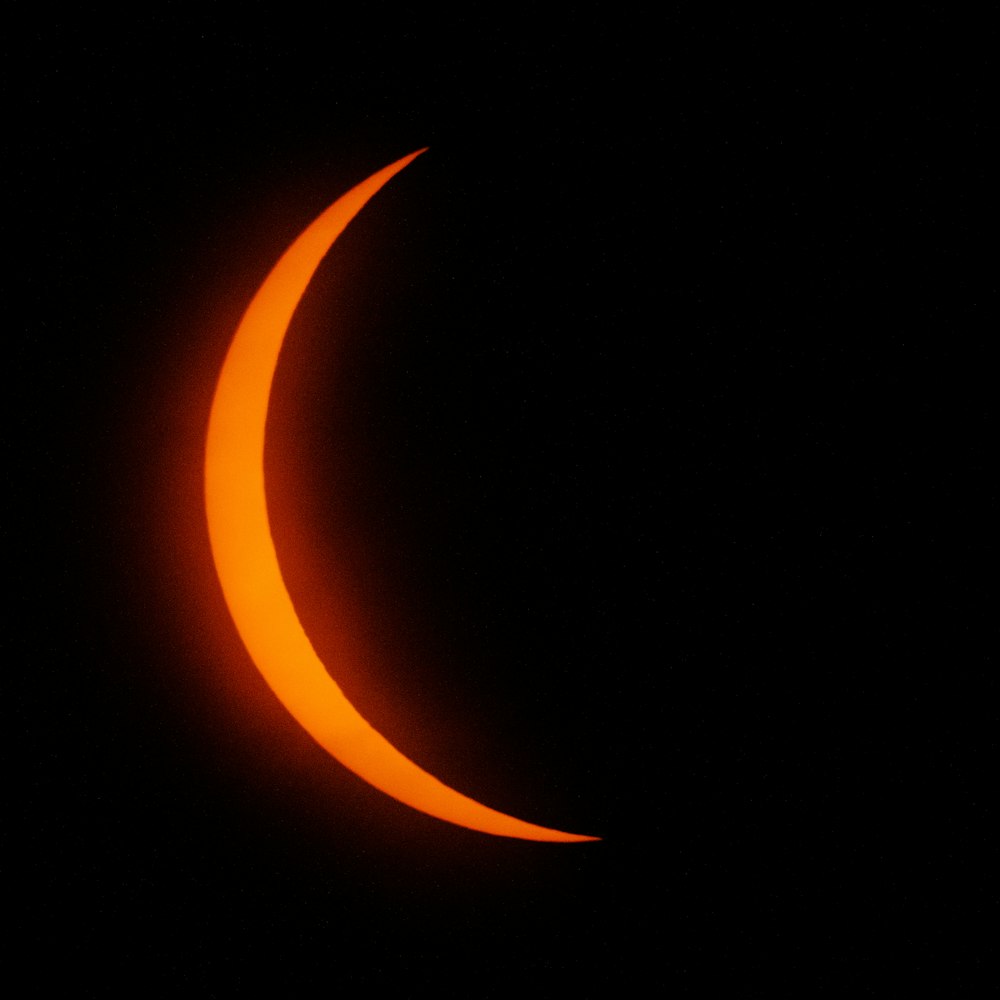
(646,416)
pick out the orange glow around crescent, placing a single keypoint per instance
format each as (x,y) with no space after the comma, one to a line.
(247,563)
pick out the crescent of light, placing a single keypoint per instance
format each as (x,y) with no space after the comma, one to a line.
(247,563)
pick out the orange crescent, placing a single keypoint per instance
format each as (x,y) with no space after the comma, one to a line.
(247,563)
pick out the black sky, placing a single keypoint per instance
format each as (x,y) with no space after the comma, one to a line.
(662,383)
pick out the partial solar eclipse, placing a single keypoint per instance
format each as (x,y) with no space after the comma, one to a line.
(247,563)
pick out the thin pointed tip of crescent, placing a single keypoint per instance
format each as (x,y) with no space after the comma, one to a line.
(560,837)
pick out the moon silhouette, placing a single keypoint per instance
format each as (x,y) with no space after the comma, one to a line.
(247,563)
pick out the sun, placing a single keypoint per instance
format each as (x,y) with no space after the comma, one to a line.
(245,557)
